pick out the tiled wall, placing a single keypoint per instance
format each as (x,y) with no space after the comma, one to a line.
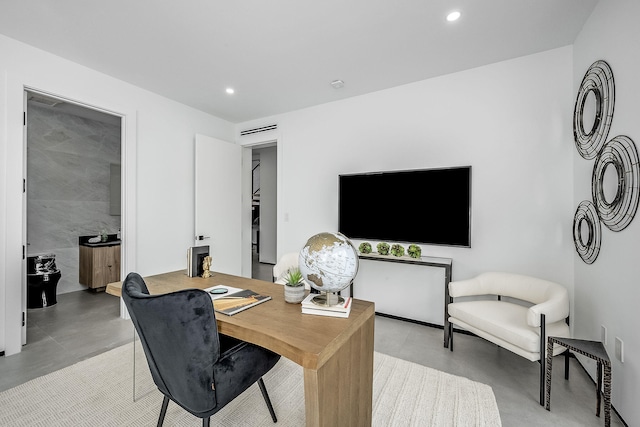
(68,175)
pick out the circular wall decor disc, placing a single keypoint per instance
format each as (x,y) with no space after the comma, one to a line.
(597,86)
(587,233)
(620,154)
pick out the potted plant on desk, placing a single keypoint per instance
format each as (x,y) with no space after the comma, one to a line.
(293,286)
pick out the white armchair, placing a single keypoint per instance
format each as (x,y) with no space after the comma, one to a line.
(535,309)
(286,262)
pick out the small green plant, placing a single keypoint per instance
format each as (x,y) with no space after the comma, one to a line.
(365,248)
(414,251)
(397,250)
(383,248)
(293,278)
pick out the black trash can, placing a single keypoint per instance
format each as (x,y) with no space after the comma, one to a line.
(42,280)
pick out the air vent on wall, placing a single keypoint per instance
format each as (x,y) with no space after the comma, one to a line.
(258,130)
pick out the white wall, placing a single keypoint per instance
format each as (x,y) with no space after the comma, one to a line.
(607,292)
(511,121)
(163,132)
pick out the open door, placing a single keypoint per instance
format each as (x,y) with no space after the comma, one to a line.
(23,268)
(218,202)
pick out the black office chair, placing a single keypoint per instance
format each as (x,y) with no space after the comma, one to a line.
(190,362)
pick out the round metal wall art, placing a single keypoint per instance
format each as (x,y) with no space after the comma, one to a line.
(586,217)
(620,153)
(597,81)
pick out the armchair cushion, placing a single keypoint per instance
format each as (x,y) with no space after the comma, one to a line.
(548,298)
(505,322)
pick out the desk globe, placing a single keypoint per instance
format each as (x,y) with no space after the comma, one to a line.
(329,263)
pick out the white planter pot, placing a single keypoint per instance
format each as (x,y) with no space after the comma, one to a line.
(293,294)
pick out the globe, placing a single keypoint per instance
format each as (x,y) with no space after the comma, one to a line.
(329,263)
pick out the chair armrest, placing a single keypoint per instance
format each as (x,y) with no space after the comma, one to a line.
(555,309)
(465,288)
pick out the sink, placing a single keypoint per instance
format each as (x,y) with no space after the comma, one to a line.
(107,243)
(112,240)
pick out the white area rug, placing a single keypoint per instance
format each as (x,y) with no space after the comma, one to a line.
(98,392)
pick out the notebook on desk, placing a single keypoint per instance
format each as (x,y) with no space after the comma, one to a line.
(235,300)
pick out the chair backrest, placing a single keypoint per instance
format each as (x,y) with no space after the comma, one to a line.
(179,336)
(549,298)
(287,261)
(518,286)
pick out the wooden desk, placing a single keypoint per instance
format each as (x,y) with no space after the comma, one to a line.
(336,354)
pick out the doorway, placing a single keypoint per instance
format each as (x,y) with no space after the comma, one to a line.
(73,185)
(264,210)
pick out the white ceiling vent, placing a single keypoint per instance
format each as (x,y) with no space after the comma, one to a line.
(259,130)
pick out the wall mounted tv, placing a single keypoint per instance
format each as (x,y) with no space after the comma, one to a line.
(428,206)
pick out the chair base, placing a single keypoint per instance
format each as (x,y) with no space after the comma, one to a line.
(163,411)
(206,421)
(265,395)
(542,359)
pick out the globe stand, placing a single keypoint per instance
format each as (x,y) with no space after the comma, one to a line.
(327,299)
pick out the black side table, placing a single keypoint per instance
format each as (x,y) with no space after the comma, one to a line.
(592,349)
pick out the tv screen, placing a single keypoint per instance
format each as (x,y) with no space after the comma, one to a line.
(425,206)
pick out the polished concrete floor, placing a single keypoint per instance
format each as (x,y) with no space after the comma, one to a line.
(81,325)
(84,324)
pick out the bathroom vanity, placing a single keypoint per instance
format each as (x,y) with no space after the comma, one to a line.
(99,262)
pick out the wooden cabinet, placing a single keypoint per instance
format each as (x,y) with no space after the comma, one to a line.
(99,265)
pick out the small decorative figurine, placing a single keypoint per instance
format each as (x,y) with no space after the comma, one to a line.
(206,265)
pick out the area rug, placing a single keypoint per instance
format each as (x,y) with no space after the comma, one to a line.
(99,392)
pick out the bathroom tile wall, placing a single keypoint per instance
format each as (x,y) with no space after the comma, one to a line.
(68,176)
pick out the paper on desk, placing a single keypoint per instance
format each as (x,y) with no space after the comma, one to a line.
(230,290)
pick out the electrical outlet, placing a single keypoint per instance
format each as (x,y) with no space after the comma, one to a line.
(620,349)
(603,335)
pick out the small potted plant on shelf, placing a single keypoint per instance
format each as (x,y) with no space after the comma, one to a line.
(414,251)
(383,248)
(293,286)
(397,250)
(365,248)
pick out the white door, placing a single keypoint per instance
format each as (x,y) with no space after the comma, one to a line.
(218,202)
(25,244)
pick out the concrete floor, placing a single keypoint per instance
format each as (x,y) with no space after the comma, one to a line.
(83,324)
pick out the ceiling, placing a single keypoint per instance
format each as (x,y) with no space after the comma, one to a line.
(282,55)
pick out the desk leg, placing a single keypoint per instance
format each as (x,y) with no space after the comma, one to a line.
(340,392)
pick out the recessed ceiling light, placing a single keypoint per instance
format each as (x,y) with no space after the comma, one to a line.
(453,16)
(230,90)
(337,84)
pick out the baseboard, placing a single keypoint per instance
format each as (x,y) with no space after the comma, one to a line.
(420,322)
(404,319)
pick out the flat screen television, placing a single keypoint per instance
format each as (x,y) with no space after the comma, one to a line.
(423,206)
